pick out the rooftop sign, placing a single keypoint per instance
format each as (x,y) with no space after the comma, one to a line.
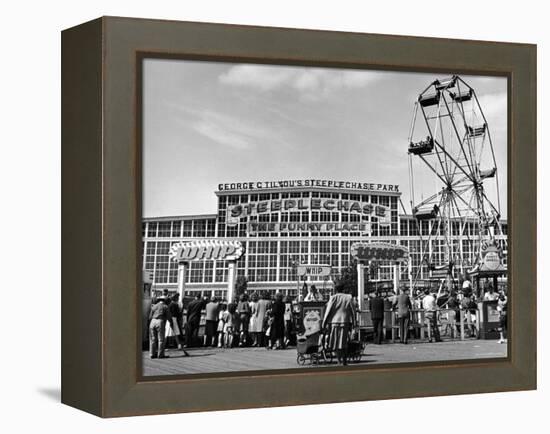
(206,250)
(379,252)
(321,270)
(255,227)
(235,212)
(301,183)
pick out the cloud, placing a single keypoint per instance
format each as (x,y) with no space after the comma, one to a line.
(309,83)
(222,135)
(226,130)
(260,77)
(494,106)
(229,130)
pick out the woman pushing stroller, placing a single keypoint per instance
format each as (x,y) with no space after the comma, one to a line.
(339,321)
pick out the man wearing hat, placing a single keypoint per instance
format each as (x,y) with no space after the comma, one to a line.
(403,304)
(377,316)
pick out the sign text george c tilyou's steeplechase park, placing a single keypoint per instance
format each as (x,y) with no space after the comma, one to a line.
(300,183)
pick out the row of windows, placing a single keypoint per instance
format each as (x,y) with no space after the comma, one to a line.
(198,228)
(235,199)
(412,227)
(201,228)
(265,258)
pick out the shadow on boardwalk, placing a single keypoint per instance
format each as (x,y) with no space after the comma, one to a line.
(211,360)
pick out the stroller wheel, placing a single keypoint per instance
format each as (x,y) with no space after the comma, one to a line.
(300,359)
(327,355)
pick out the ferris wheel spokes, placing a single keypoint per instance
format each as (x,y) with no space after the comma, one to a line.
(457,148)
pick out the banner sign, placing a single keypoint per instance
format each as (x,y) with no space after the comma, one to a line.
(215,250)
(379,252)
(312,318)
(300,183)
(235,212)
(254,227)
(440,272)
(491,256)
(321,270)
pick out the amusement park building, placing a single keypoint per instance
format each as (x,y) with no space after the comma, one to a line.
(324,218)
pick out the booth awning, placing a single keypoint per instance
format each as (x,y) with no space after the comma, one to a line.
(484,271)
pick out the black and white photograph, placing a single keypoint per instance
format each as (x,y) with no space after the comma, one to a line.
(275,216)
(301,217)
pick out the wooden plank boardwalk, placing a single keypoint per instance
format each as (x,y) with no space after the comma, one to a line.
(211,360)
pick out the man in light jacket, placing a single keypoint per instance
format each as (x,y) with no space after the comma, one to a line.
(430,307)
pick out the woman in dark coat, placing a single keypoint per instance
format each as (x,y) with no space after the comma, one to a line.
(262,308)
(278,324)
(243,309)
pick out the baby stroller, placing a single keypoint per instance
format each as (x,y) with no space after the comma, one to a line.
(312,347)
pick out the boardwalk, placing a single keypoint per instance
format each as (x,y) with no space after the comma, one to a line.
(210,360)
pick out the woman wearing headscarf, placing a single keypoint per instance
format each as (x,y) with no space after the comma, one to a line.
(339,319)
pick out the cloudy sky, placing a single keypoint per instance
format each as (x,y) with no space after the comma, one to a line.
(207,123)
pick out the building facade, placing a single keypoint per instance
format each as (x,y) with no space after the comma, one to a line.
(284,224)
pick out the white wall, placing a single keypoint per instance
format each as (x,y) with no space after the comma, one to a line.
(30,218)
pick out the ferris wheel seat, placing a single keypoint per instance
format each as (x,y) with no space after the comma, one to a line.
(462,96)
(490,173)
(445,83)
(429,100)
(426,213)
(422,147)
(477,131)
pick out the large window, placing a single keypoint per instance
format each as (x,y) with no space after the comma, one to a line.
(176,229)
(152,229)
(262,261)
(199,228)
(161,266)
(164,229)
(187,228)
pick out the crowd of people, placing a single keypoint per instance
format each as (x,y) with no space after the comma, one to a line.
(427,305)
(249,321)
(269,321)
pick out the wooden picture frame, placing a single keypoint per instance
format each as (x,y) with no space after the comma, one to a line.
(101,216)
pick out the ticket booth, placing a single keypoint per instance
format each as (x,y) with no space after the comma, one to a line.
(487,272)
(489,319)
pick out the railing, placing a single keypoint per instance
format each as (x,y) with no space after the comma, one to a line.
(465,323)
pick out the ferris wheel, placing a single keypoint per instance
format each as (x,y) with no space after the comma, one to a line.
(453,169)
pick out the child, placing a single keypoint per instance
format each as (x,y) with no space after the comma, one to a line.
(268,326)
(231,324)
(221,324)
